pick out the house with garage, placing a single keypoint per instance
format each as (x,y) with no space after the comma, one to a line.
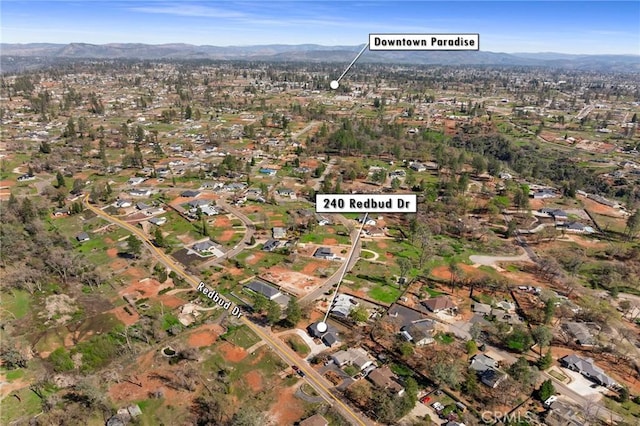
(357,357)
(419,333)
(329,337)
(82,237)
(324,253)
(207,248)
(279,232)
(189,193)
(440,304)
(581,333)
(487,370)
(270,245)
(588,369)
(264,289)
(384,378)
(158,221)
(343,305)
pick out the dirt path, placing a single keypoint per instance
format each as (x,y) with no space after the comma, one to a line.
(375,255)
(492,260)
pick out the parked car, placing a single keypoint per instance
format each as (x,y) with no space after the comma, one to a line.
(437,406)
(425,399)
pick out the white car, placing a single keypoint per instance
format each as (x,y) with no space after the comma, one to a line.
(437,406)
(550,400)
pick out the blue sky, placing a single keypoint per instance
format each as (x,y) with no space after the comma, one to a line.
(584,27)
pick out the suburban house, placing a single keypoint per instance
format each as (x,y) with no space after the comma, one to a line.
(264,289)
(82,237)
(268,171)
(142,206)
(373,231)
(492,378)
(384,378)
(487,369)
(189,193)
(482,308)
(198,203)
(207,247)
(136,180)
(343,305)
(286,192)
(369,222)
(560,413)
(580,332)
(328,337)
(588,369)
(279,232)
(158,221)
(63,211)
(123,204)
(439,304)
(557,214)
(270,245)
(322,221)
(578,228)
(420,333)
(542,194)
(418,167)
(482,363)
(140,192)
(209,210)
(324,253)
(357,357)
(26,177)
(315,420)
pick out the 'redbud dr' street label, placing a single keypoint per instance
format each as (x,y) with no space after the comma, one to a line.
(366,203)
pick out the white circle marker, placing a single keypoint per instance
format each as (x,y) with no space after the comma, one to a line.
(322,326)
(334,84)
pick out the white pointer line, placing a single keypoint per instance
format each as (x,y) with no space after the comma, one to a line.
(353,62)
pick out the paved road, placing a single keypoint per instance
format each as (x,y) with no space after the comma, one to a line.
(347,264)
(317,381)
(491,260)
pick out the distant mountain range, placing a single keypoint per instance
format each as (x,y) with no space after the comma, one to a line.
(18,56)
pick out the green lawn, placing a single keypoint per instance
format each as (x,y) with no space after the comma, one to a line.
(445,338)
(241,336)
(12,409)
(432,293)
(297,344)
(17,302)
(385,294)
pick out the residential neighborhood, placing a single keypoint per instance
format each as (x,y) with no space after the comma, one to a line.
(163,256)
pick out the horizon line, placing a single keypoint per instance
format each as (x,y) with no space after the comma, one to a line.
(355,46)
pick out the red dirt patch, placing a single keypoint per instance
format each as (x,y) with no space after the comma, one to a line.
(222,222)
(124,316)
(381,244)
(227,235)
(112,252)
(287,409)
(235,271)
(311,267)
(171,301)
(255,258)
(232,353)
(443,273)
(204,336)
(254,380)
(330,241)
